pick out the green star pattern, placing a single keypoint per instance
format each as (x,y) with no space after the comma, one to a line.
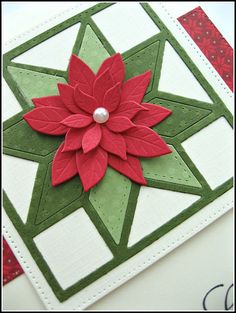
(111,204)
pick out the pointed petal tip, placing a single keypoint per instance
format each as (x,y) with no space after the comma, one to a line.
(148,73)
(118,55)
(55,182)
(74,56)
(88,188)
(169,150)
(34,100)
(170,112)
(143,182)
(124,157)
(59,84)
(24,116)
(87,149)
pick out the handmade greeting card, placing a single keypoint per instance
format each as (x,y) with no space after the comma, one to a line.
(118,147)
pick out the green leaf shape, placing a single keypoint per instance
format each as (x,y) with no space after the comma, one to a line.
(92,50)
(110,199)
(32,84)
(169,168)
(142,61)
(22,137)
(54,199)
(183,116)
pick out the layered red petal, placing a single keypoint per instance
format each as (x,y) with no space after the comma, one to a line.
(134,88)
(154,115)
(101,84)
(128,109)
(80,74)
(116,68)
(77,121)
(119,124)
(144,142)
(47,120)
(73,139)
(113,143)
(63,166)
(130,167)
(111,98)
(50,101)
(91,167)
(67,96)
(91,138)
(86,102)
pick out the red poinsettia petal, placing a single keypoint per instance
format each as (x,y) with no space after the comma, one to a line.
(73,139)
(111,98)
(91,167)
(119,124)
(63,166)
(101,84)
(80,74)
(144,142)
(116,67)
(153,116)
(67,96)
(47,120)
(91,138)
(77,121)
(86,102)
(128,109)
(113,143)
(50,101)
(130,167)
(135,87)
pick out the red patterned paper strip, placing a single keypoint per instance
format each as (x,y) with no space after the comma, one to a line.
(218,52)
(211,42)
(11,267)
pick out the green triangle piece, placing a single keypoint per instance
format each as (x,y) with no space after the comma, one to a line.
(142,61)
(169,168)
(92,51)
(21,137)
(56,198)
(182,117)
(111,207)
(32,84)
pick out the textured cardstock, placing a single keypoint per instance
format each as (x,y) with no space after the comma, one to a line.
(76,246)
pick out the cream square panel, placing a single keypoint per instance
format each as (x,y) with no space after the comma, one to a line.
(73,248)
(211,150)
(18,182)
(125,25)
(155,207)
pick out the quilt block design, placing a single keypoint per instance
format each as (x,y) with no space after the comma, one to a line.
(65,228)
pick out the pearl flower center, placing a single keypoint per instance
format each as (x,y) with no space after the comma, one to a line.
(100,115)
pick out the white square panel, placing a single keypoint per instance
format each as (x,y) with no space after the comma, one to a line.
(73,248)
(211,150)
(125,25)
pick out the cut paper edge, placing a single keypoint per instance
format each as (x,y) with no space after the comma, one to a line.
(23,173)
(170,80)
(51,53)
(155,207)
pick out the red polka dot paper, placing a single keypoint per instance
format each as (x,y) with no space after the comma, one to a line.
(11,267)
(211,42)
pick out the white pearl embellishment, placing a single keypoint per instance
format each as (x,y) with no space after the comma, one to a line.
(100,115)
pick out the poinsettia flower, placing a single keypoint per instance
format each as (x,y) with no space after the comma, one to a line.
(104,122)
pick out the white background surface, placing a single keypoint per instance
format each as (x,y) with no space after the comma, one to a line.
(181,279)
